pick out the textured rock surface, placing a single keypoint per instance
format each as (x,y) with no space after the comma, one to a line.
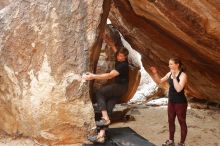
(4,3)
(185,28)
(45,46)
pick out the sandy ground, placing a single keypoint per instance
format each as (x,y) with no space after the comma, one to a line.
(151,123)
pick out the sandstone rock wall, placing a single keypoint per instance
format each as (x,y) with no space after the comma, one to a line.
(188,29)
(45,46)
(4,3)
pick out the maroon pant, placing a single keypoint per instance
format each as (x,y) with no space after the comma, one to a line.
(179,110)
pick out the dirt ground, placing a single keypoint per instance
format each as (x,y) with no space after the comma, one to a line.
(151,123)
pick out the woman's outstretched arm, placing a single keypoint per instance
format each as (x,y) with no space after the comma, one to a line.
(157,78)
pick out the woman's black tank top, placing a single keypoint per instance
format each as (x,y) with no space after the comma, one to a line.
(174,96)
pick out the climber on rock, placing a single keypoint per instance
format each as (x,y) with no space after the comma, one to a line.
(110,94)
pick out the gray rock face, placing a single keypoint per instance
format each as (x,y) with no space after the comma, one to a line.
(45,46)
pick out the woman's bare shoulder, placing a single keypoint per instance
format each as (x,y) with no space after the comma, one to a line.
(183,75)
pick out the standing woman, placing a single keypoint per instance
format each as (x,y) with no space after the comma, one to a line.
(177,104)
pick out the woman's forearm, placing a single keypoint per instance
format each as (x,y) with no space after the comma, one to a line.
(156,78)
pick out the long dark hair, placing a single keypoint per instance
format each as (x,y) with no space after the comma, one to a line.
(178,61)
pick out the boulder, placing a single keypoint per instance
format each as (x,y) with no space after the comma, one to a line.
(161,29)
(45,47)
